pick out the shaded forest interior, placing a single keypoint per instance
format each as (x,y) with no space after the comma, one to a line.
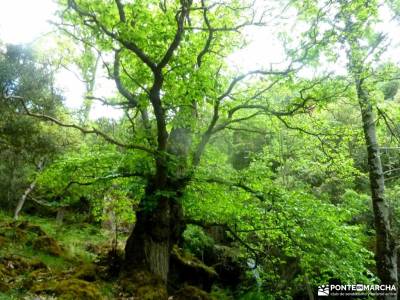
(215,181)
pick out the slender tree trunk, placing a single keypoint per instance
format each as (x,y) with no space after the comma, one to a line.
(309,289)
(60,215)
(12,189)
(386,258)
(29,190)
(22,200)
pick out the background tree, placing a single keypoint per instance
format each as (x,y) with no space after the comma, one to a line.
(352,27)
(361,19)
(26,145)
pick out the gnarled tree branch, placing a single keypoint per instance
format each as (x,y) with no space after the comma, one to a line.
(82,129)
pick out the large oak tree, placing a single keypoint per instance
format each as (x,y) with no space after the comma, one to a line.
(168,61)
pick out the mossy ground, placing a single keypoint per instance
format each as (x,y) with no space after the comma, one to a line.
(40,259)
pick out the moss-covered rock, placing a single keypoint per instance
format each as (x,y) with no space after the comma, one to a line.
(47,244)
(68,289)
(37,265)
(15,264)
(24,270)
(3,241)
(34,277)
(76,289)
(191,261)
(187,269)
(19,232)
(189,292)
(87,272)
(4,287)
(143,285)
(43,286)
(5,279)
(16,272)
(231,270)
(25,225)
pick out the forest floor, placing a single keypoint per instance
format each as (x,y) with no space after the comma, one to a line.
(40,259)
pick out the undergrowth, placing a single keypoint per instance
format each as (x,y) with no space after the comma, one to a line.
(28,268)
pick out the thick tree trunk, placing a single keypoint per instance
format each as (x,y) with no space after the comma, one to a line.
(157,229)
(386,259)
(159,221)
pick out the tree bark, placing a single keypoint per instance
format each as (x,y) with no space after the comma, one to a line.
(157,228)
(22,200)
(60,215)
(386,258)
(29,190)
(159,220)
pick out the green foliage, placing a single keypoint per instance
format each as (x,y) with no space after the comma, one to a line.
(26,146)
(26,270)
(296,230)
(256,295)
(221,294)
(196,240)
(284,168)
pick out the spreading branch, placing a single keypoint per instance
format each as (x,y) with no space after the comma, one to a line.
(93,130)
(117,78)
(180,19)
(212,127)
(209,37)
(131,45)
(257,194)
(121,11)
(102,178)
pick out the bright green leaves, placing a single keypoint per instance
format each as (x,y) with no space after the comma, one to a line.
(145,33)
(116,203)
(316,230)
(290,228)
(196,240)
(96,175)
(284,155)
